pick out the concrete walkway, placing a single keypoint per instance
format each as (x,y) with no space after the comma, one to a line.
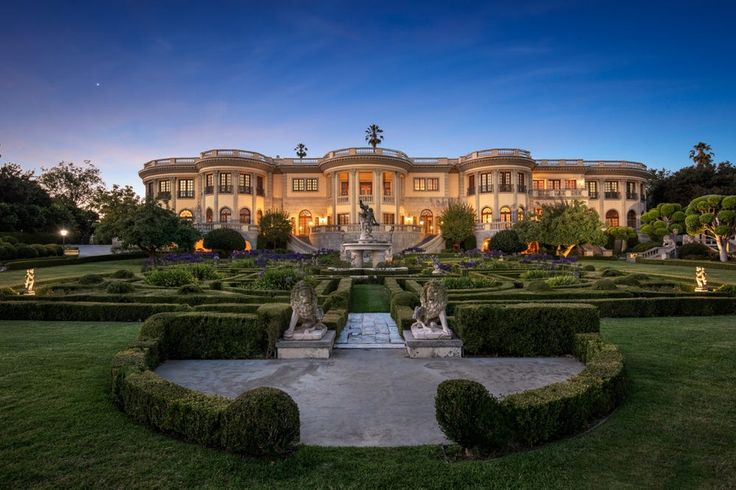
(367,397)
(369,331)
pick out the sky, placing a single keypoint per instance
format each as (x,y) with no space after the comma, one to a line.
(122,83)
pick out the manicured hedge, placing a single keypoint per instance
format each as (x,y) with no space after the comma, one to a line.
(699,263)
(476,420)
(523,329)
(228,308)
(51,261)
(260,422)
(82,311)
(190,299)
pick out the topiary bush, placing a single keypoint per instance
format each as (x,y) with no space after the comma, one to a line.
(89,279)
(224,241)
(122,274)
(203,272)
(26,252)
(119,287)
(470,416)
(216,285)
(562,280)
(261,422)
(539,286)
(171,277)
(589,268)
(604,285)
(465,282)
(507,241)
(283,278)
(189,289)
(695,251)
(612,273)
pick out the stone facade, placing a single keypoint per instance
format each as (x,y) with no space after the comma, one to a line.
(232,188)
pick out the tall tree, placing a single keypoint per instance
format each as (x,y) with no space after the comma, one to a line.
(458,220)
(301,150)
(151,227)
(114,206)
(566,225)
(78,183)
(374,135)
(27,205)
(714,216)
(702,154)
(275,229)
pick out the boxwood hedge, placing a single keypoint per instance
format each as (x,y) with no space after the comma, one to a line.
(83,311)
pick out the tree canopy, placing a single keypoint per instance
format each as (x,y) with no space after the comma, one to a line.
(662,221)
(458,220)
(151,228)
(714,216)
(224,241)
(77,183)
(114,205)
(275,229)
(374,135)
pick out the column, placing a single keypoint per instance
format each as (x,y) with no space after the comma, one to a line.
(173,195)
(461,191)
(353,196)
(334,197)
(378,194)
(477,197)
(236,208)
(395,190)
(496,190)
(200,199)
(216,190)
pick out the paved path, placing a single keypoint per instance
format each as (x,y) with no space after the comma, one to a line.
(370,331)
(362,397)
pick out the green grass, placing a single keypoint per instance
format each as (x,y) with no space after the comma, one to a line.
(51,274)
(721,276)
(369,298)
(676,429)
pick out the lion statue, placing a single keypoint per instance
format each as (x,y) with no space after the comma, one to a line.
(430,316)
(305,309)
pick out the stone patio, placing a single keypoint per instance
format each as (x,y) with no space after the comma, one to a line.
(362,397)
(369,331)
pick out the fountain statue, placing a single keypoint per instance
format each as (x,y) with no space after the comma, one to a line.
(366,245)
(305,309)
(430,316)
(367,222)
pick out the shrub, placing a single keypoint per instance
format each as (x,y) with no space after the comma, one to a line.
(9,239)
(467,282)
(539,286)
(41,250)
(83,312)
(283,278)
(470,416)
(89,279)
(224,241)
(507,241)
(589,267)
(119,287)
(694,251)
(630,279)
(562,280)
(171,277)
(261,422)
(122,274)
(203,272)
(216,285)
(523,329)
(7,251)
(189,289)
(54,249)
(612,273)
(604,285)
(26,252)
(8,292)
(538,274)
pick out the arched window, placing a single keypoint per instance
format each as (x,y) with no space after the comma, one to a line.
(305,222)
(631,219)
(521,214)
(612,218)
(225,214)
(259,215)
(486,215)
(426,221)
(208,215)
(185,214)
(245,216)
(506,214)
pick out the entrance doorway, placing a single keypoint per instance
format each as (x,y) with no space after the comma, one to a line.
(426,221)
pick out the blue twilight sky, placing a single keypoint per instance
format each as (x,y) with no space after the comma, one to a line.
(638,80)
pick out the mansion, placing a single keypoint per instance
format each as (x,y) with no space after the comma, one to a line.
(233,188)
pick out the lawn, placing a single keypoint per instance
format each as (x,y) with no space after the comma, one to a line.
(721,276)
(676,429)
(50,274)
(369,298)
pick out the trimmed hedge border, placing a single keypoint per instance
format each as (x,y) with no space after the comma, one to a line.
(83,311)
(684,262)
(260,422)
(53,261)
(477,421)
(523,329)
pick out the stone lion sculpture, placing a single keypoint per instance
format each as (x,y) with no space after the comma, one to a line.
(430,316)
(306,312)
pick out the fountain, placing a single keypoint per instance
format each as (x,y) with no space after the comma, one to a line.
(366,245)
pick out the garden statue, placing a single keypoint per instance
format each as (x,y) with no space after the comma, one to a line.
(431,319)
(701,280)
(367,221)
(30,281)
(306,311)
(437,269)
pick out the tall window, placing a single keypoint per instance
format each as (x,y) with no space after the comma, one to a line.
(366,188)
(226,182)
(389,218)
(225,214)
(343,219)
(592,189)
(245,216)
(208,215)
(420,184)
(538,185)
(486,182)
(305,222)
(506,214)
(312,183)
(387,189)
(521,214)
(297,185)
(471,184)
(571,184)
(186,188)
(522,183)
(486,215)
(164,186)
(612,218)
(554,184)
(244,185)
(344,188)
(505,183)
(631,219)
(259,185)
(610,187)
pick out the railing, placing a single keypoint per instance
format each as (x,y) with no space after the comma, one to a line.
(496,152)
(226,189)
(235,154)
(612,195)
(232,225)
(522,188)
(493,226)
(632,196)
(431,161)
(590,163)
(367,151)
(592,195)
(354,228)
(485,189)
(471,191)
(185,194)
(244,189)
(299,161)
(343,199)
(366,198)
(388,199)
(551,193)
(505,188)
(209,189)
(170,161)
(163,196)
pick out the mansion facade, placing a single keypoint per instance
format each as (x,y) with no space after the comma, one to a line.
(233,188)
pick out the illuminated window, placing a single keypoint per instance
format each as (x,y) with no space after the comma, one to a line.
(486,215)
(612,218)
(225,214)
(245,216)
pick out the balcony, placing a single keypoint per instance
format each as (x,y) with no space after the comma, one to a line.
(486,189)
(260,191)
(388,199)
(505,188)
(245,189)
(522,188)
(209,189)
(593,195)
(562,193)
(367,151)
(163,196)
(225,189)
(632,196)
(496,153)
(612,195)
(232,225)
(366,198)
(493,226)
(471,191)
(343,199)
(185,194)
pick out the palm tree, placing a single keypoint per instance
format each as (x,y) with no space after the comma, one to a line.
(702,154)
(374,135)
(301,150)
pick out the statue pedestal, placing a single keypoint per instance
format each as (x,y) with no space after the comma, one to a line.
(374,249)
(306,349)
(432,348)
